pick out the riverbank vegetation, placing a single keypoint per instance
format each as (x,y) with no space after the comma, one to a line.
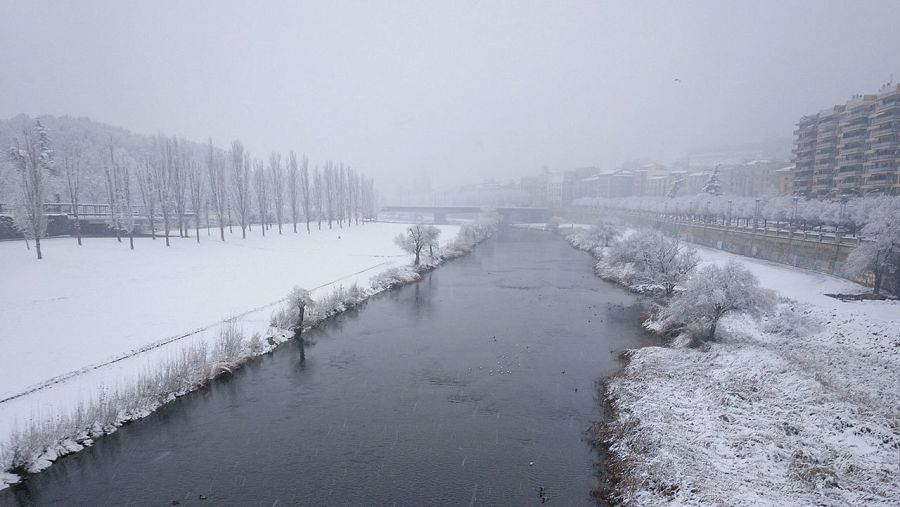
(39,442)
(758,397)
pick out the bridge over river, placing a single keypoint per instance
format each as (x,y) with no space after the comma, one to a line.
(440,213)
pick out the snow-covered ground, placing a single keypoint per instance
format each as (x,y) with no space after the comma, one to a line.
(799,417)
(67,316)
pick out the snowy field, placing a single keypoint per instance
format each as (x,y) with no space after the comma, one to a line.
(67,316)
(809,415)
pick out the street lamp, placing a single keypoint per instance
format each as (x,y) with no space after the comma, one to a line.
(796,199)
(756,215)
(843,208)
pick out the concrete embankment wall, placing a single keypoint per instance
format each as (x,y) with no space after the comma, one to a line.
(808,251)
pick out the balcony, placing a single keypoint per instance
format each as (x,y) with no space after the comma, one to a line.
(883,119)
(857,129)
(893,105)
(882,144)
(885,169)
(882,156)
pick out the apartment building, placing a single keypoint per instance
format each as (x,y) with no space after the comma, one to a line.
(850,149)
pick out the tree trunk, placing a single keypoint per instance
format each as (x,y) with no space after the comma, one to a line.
(298,329)
(712,331)
(131,239)
(77,229)
(416,262)
(37,246)
(243,232)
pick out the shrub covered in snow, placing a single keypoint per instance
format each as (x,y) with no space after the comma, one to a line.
(792,320)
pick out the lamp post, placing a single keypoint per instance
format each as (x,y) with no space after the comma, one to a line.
(841,214)
(756,215)
(796,199)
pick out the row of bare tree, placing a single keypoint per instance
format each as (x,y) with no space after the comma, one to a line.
(174,187)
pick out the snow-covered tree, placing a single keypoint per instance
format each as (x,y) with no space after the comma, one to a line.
(658,260)
(604,232)
(298,300)
(414,240)
(432,234)
(262,194)
(276,173)
(712,293)
(879,255)
(32,158)
(240,184)
(713,185)
(676,186)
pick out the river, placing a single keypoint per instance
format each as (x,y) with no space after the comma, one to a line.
(473,386)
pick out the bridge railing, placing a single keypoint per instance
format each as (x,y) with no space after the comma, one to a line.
(84,209)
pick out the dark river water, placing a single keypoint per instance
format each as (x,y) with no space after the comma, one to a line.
(474,386)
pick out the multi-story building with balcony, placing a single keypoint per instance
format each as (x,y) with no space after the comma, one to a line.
(881,168)
(850,149)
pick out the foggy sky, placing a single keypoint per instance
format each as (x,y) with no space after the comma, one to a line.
(458,90)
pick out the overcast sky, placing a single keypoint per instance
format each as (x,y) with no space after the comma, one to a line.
(458,90)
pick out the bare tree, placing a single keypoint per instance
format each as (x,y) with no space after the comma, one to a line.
(240,184)
(195,185)
(276,173)
(216,171)
(318,195)
(305,191)
(162,176)
(262,194)
(415,239)
(147,188)
(330,192)
(31,159)
(127,213)
(249,174)
(73,184)
(112,189)
(340,193)
(179,184)
(294,187)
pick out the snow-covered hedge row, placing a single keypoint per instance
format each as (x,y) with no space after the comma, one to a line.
(855,212)
(37,445)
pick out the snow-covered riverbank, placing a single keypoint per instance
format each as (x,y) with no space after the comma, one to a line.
(800,408)
(178,289)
